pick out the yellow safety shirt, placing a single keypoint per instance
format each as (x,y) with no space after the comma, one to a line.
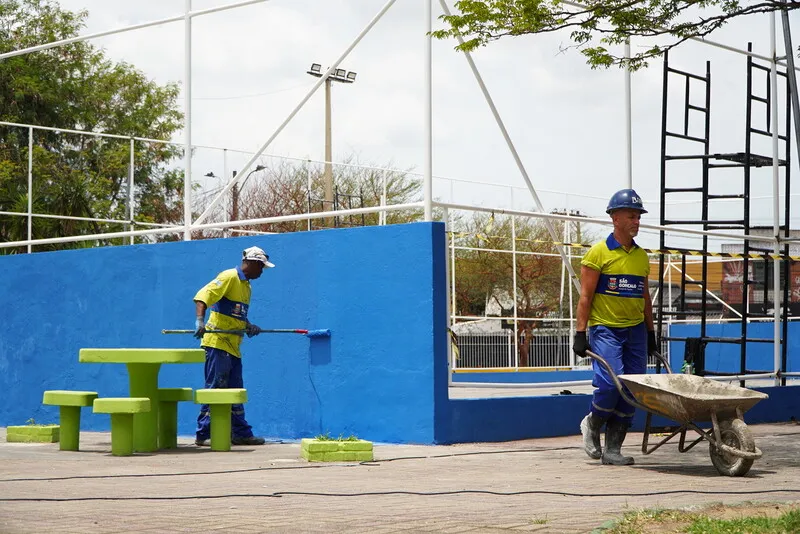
(619,297)
(228,297)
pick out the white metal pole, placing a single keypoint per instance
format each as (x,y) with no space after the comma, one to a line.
(453,266)
(572,361)
(514,289)
(225,231)
(294,112)
(776,200)
(628,126)
(551,230)
(187,124)
(329,204)
(131,198)
(308,204)
(385,199)
(427,178)
(563,273)
(30,187)
(448,268)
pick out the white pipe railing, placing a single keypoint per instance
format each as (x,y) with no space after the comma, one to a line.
(606,222)
(214,225)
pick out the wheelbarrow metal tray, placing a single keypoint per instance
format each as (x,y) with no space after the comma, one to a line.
(685,398)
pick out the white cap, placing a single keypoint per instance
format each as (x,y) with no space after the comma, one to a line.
(257,254)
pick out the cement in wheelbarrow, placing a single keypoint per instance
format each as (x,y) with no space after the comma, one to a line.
(685,398)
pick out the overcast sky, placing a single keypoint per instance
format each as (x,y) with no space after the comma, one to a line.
(567,121)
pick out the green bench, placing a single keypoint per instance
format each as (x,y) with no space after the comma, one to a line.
(122,410)
(168,399)
(220,401)
(69,418)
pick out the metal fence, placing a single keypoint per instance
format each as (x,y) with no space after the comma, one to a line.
(499,351)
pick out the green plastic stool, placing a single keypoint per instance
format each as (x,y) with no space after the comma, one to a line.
(220,401)
(168,399)
(69,418)
(122,410)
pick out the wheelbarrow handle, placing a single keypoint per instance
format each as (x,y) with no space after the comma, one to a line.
(623,391)
(663,361)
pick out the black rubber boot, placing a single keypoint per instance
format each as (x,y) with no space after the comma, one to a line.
(590,429)
(615,435)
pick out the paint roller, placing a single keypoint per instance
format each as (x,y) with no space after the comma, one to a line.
(310,333)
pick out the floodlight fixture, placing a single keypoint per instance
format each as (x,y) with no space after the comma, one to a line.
(351,76)
(316,70)
(340,73)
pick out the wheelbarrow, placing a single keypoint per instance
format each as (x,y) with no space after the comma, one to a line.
(692,399)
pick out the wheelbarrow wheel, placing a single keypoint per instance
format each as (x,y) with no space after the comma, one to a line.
(734,434)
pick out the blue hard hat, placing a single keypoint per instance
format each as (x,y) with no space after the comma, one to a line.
(625,198)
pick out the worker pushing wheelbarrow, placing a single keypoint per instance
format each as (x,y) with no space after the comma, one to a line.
(615,319)
(689,400)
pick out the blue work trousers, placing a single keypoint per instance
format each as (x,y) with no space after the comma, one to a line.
(223,371)
(625,350)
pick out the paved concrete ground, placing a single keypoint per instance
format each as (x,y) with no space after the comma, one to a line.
(543,485)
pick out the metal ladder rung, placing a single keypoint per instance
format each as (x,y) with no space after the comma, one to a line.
(716,197)
(725,227)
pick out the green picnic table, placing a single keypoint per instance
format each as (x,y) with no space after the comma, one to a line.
(143,367)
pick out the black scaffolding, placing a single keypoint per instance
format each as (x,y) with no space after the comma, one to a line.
(693,137)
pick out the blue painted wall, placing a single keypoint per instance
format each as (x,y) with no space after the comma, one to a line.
(726,357)
(382,375)
(380,290)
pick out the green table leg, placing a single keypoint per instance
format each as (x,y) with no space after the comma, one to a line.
(144,383)
(168,425)
(220,427)
(69,433)
(122,434)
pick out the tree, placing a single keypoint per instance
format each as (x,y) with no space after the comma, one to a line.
(75,87)
(613,21)
(487,276)
(283,189)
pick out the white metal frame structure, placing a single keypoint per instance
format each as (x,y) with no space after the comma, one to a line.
(427,204)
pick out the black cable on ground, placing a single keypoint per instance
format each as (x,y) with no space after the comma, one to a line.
(278,494)
(305,466)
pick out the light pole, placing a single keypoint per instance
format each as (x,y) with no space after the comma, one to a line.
(237,188)
(342,76)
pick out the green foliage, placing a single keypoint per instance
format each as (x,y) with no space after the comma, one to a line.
(75,87)
(599,24)
(705,522)
(327,437)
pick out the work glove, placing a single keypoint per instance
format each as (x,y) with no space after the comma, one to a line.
(652,343)
(252,330)
(199,327)
(581,344)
